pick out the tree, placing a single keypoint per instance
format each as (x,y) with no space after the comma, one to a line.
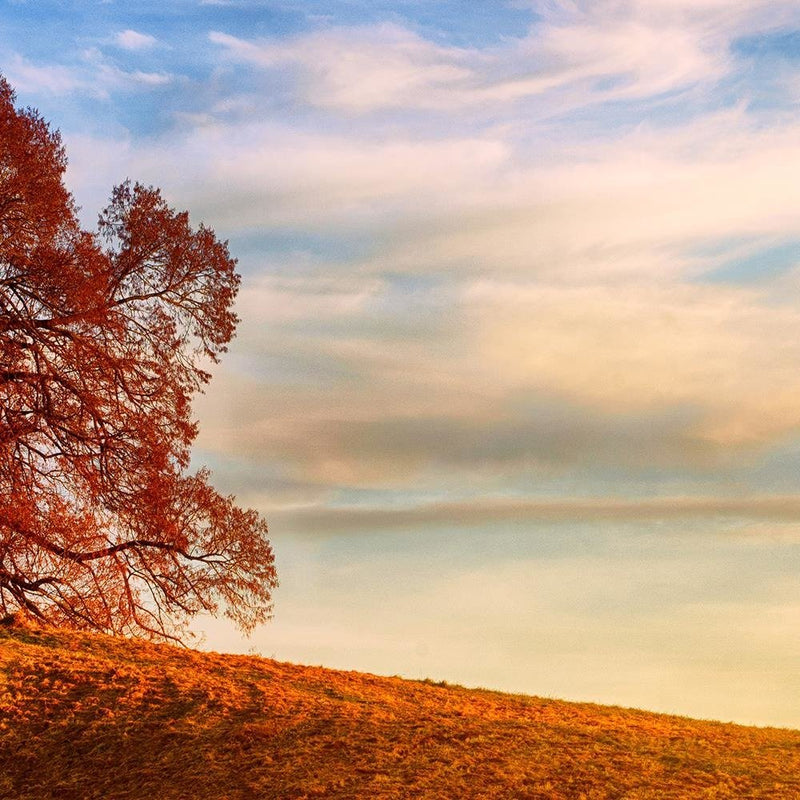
(104,338)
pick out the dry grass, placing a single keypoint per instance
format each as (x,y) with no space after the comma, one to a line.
(86,716)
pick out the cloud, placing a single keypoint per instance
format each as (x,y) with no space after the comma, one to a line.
(526,294)
(359,69)
(636,206)
(353,447)
(488,510)
(490,202)
(53,79)
(727,352)
(516,379)
(582,54)
(277,300)
(94,75)
(605,319)
(149,78)
(279,176)
(107,77)
(133,40)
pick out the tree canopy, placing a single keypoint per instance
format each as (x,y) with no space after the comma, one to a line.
(104,338)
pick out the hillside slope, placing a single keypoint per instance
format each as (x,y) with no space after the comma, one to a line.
(85,716)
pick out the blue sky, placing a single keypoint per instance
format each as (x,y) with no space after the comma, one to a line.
(517,383)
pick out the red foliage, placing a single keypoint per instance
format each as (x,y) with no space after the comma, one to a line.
(102,341)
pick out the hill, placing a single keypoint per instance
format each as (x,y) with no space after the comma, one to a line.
(86,716)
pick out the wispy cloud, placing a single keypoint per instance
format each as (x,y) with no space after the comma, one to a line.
(93,74)
(106,76)
(578,54)
(53,79)
(479,513)
(532,290)
(134,40)
(361,69)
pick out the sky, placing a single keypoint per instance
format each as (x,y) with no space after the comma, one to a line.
(517,381)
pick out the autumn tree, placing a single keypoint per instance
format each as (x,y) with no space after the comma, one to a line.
(104,339)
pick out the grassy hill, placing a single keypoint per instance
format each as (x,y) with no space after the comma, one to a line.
(87,716)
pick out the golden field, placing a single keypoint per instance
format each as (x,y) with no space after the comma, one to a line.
(88,716)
